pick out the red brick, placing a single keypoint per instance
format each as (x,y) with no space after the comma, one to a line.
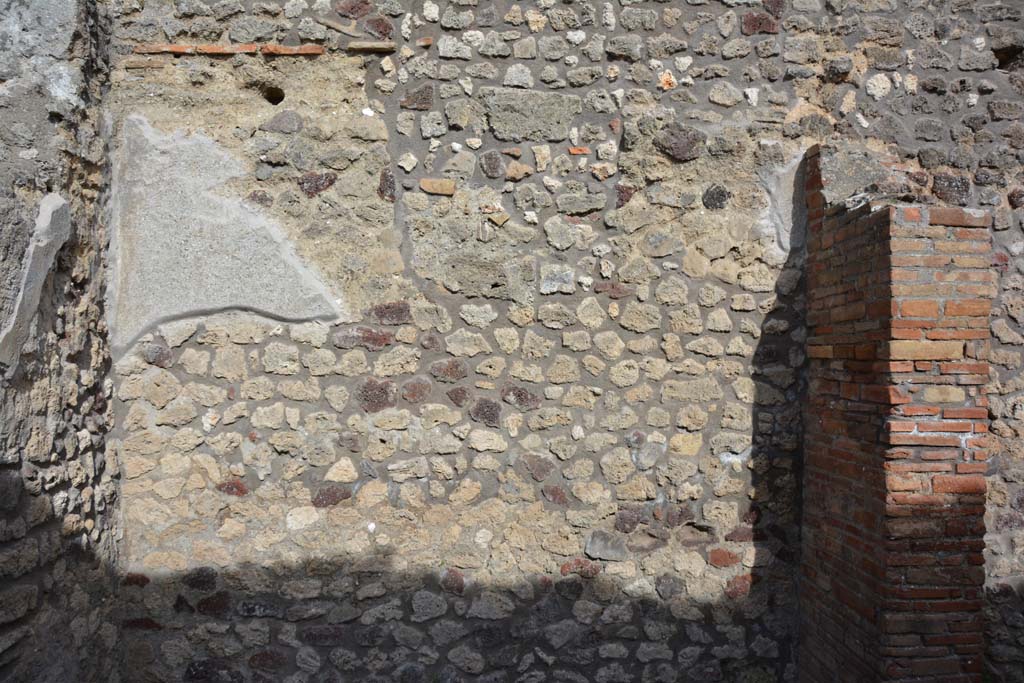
(968,307)
(921,308)
(720,557)
(958,484)
(958,217)
(290,51)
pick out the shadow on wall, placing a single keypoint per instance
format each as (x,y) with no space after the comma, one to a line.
(1004,623)
(370,617)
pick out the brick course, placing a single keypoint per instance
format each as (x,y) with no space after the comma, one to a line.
(896,442)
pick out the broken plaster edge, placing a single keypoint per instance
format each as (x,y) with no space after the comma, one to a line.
(52,230)
(121,343)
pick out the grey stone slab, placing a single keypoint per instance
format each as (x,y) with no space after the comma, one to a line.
(516,114)
(52,229)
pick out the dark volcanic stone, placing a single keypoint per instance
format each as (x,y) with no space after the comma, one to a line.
(492,164)
(623,193)
(673,515)
(313,184)
(376,395)
(155,354)
(234,487)
(369,636)
(11,486)
(201,579)
(386,185)
(416,390)
(634,439)
(556,494)
(613,290)
(379,27)
(258,609)
(261,198)
(324,636)
(669,586)
(353,9)
(269,660)
(331,495)
(775,7)
(627,521)
(430,342)
(211,670)
(570,588)
(392,313)
(422,99)
(580,566)
(217,605)
(453,581)
(486,411)
(538,466)
(519,397)
(682,143)
(758,22)
(366,337)
(459,396)
(143,624)
(449,370)
(183,606)
(410,672)
(954,189)
(1016,197)
(716,197)
(134,579)
(837,69)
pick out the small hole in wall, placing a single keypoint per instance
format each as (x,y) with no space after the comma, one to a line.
(1010,58)
(273,94)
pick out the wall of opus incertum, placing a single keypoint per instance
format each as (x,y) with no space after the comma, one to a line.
(465,339)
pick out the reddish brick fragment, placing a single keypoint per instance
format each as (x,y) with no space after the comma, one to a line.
(293,51)
(720,557)
(581,566)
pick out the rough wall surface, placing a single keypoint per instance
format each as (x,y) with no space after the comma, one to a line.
(56,487)
(467,341)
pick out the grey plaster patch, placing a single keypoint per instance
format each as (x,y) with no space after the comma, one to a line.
(52,229)
(35,38)
(847,170)
(180,247)
(517,115)
(785,217)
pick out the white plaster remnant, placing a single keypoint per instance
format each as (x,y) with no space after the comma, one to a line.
(180,246)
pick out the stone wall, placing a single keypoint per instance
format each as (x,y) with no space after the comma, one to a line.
(57,490)
(512,464)
(466,339)
(564,242)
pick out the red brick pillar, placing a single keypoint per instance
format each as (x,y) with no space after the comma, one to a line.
(895,442)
